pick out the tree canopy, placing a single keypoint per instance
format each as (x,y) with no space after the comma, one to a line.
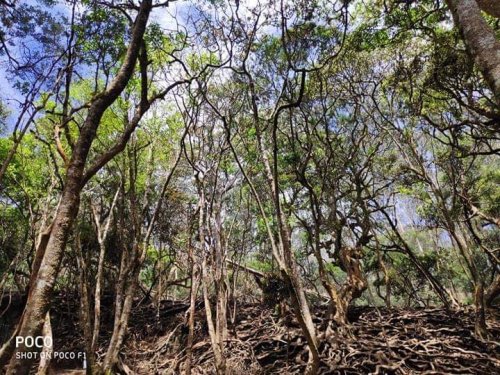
(310,157)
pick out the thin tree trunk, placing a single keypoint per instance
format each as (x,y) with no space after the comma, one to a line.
(289,274)
(480,328)
(447,299)
(220,361)
(111,357)
(120,327)
(192,312)
(45,357)
(86,308)
(101,237)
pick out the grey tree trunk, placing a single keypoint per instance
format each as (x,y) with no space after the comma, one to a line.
(479,38)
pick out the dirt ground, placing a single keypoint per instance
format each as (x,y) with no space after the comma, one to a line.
(378,341)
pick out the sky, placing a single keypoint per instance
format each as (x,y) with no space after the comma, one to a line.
(10,96)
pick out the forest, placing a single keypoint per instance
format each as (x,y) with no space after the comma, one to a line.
(249,187)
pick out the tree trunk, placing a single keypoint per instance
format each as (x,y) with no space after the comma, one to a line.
(492,7)
(303,314)
(480,328)
(493,291)
(192,311)
(85,318)
(125,289)
(102,232)
(479,38)
(446,298)
(120,327)
(8,348)
(353,287)
(218,349)
(38,302)
(43,367)
(281,248)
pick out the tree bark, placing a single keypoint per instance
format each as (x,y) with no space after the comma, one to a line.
(102,232)
(493,291)
(480,328)
(85,318)
(43,367)
(479,38)
(192,312)
(122,314)
(446,298)
(492,7)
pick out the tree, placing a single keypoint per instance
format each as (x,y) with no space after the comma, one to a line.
(50,257)
(307,157)
(480,39)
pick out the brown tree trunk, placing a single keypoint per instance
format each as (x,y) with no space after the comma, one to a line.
(8,348)
(446,298)
(220,276)
(102,232)
(281,249)
(45,358)
(492,7)
(125,288)
(480,328)
(85,318)
(299,301)
(192,311)
(215,331)
(354,285)
(120,326)
(479,38)
(493,291)
(217,345)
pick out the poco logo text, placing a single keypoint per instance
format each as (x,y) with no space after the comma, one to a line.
(37,341)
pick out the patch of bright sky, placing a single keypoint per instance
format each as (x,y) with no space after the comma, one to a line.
(10,95)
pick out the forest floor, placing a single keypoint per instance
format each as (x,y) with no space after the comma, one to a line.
(381,341)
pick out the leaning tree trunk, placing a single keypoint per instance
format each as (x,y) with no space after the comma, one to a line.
(282,253)
(449,301)
(299,301)
(128,278)
(480,39)
(102,232)
(217,346)
(493,291)
(8,348)
(218,330)
(40,295)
